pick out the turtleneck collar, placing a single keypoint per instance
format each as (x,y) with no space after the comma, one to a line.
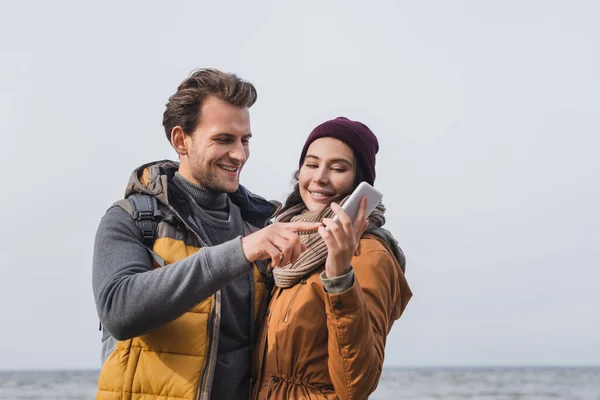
(205,198)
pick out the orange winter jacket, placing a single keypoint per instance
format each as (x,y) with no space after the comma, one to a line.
(319,345)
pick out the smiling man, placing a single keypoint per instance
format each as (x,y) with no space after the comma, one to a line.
(177,277)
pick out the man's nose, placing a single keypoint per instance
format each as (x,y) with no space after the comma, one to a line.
(239,153)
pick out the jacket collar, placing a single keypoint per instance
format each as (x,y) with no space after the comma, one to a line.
(153,179)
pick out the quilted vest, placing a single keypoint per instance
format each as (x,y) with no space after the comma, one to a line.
(177,360)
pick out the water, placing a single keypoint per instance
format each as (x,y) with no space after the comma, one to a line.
(396,383)
(490,384)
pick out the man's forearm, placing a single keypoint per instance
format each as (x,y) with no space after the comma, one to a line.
(132,298)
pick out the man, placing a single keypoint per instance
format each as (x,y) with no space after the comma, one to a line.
(177,289)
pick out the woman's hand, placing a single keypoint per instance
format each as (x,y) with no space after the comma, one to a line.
(342,238)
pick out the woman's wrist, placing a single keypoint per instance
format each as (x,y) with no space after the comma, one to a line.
(335,272)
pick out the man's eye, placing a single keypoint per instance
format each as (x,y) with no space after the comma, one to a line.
(222,141)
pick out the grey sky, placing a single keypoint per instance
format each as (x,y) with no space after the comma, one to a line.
(488,116)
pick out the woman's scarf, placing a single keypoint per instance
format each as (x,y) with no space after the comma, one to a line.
(316,251)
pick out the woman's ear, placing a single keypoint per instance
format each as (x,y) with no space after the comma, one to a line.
(178,141)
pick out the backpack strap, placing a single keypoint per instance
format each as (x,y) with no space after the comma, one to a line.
(144,211)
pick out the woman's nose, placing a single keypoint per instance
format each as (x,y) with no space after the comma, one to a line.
(321,176)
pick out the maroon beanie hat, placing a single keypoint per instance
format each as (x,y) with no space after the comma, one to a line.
(356,135)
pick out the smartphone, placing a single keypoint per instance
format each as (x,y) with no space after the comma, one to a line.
(353,203)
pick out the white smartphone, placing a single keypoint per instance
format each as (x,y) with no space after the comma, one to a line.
(353,203)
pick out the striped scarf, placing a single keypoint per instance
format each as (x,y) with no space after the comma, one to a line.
(316,250)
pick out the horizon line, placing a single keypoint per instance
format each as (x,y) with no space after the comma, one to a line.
(388,367)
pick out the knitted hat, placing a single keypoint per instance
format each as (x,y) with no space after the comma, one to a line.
(356,135)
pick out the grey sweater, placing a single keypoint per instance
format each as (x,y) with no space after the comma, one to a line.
(218,221)
(133,299)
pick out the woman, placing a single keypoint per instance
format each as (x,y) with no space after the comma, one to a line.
(330,312)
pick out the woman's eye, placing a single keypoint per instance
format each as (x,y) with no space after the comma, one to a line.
(339,169)
(311,165)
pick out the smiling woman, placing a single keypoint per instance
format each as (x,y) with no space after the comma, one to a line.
(332,309)
(327,173)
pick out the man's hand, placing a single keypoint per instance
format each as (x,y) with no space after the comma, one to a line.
(279,242)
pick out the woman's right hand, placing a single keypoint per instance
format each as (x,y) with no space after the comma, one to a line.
(342,238)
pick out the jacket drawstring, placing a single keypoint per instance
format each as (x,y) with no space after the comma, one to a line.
(272,382)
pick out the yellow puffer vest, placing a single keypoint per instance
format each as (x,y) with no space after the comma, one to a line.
(177,360)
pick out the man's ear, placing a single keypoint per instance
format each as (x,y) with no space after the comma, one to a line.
(178,141)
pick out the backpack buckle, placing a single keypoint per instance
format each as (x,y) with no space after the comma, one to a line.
(148,234)
(146,215)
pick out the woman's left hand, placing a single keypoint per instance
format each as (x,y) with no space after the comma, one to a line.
(342,238)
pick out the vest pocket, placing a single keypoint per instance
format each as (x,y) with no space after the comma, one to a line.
(298,287)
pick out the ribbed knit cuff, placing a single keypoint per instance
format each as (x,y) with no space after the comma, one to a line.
(338,284)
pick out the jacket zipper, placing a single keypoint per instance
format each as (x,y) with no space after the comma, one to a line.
(252,325)
(287,313)
(212,352)
(260,340)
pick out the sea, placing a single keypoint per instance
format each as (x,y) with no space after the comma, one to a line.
(522,383)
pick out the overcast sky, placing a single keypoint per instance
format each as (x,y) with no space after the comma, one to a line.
(487,113)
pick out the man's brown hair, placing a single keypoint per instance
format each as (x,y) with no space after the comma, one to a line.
(185,106)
